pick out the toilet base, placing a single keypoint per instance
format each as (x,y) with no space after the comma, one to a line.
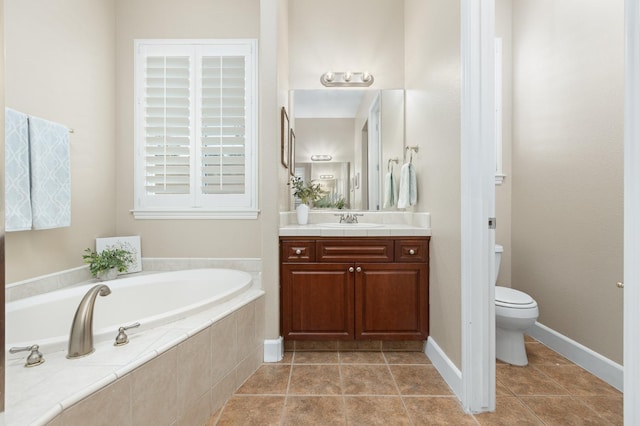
(510,347)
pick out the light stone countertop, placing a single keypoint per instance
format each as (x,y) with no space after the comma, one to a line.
(383,224)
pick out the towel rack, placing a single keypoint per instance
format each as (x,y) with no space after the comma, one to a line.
(391,160)
(411,150)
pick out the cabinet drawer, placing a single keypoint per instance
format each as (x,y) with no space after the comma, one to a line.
(412,251)
(298,251)
(353,250)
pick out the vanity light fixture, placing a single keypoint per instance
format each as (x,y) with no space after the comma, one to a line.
(326,177)
(321,157)
(346,79)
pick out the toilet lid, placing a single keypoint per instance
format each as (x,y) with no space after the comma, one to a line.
(512,296)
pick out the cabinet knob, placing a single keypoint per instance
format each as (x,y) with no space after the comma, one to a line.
(412,252)
(351,269)
(298,252)
(358,269)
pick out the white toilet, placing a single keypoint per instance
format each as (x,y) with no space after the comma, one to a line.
(515,313)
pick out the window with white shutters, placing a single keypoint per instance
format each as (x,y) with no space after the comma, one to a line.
(196,127)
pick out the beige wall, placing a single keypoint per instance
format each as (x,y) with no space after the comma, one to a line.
(338,35)
(138,19)
(503,191)
(567,166)
(432,31)
(60,66)
(209,238)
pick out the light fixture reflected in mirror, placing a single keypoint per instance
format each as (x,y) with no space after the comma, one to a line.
(326,177)
(321,157)
(346,79)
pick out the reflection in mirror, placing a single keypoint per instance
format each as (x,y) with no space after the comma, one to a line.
(355,133)
(333,177)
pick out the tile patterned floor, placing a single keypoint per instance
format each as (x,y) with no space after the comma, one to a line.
(395,388)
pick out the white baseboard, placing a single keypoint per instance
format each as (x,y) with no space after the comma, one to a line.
(586,358)
(447,369)
(273,349)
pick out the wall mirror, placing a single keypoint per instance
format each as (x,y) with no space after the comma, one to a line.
(347,139)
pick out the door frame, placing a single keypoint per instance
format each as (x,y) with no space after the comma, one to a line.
(477,152)
(631,353)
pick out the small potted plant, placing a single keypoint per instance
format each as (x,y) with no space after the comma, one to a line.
(307,194)
(106,264)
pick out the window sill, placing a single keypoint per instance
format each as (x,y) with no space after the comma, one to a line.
(195,214)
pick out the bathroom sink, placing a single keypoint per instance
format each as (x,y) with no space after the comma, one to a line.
(361,225)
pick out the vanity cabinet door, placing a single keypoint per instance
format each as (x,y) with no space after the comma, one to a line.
(318,301)
(392,301)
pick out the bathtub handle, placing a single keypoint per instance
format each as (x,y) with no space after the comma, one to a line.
(122,338)
(34,358)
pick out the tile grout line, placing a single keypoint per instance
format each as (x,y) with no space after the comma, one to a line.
(286,392)
(531,411)
(344,399)
(395,383)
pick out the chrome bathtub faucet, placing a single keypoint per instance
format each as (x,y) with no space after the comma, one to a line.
(81,335)
(34,358)
(122,338)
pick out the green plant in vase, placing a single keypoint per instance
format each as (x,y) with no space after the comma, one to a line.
(307,193)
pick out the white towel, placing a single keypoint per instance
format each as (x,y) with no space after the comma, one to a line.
(389,190)
(50,174)
(408,193)
(17,183)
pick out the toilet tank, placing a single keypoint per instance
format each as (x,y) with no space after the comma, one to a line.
(499,250)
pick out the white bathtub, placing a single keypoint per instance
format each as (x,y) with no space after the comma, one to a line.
(178,309)
(152,300)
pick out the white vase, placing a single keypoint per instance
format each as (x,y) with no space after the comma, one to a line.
(302,213)
(107,275)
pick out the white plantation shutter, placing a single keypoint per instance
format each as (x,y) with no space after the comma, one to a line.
(223,127)
(167,114)
(196,129)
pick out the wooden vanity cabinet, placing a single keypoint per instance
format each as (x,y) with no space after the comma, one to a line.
(354,288)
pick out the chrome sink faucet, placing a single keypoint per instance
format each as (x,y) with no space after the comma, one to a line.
(81,335)
(349,217)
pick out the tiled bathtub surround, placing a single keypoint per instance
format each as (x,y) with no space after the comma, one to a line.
(46,283)
(177,373)
(180,372)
